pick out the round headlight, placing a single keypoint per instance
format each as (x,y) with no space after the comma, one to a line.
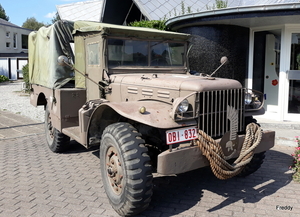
(183,106)
(248,98)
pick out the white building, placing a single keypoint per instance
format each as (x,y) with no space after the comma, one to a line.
(13,49)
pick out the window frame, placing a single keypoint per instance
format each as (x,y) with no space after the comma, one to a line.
(148,66)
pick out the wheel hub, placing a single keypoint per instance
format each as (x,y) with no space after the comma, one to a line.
(114,170)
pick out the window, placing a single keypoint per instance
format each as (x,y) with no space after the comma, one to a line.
(24,41)
(122,52)
(167,54)
(15,40)
(127,52)
(8,44)
(93,54)
(7,34)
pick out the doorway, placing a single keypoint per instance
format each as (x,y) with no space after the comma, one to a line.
(294,75)
(266,65)
(20,64)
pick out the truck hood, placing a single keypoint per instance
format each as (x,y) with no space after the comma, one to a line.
(179,82)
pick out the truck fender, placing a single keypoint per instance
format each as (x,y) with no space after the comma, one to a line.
(157,114)
(39,95)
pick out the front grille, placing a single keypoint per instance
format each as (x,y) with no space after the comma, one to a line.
(220,111)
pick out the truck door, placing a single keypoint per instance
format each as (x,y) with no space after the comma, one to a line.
(93,66)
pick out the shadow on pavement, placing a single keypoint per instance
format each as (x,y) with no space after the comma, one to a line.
(191,188)
(76,148)
(178,193)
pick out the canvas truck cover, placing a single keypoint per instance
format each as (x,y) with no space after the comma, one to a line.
(48,43)
(127,31)
(45,46)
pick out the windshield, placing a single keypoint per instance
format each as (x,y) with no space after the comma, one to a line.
(122,52)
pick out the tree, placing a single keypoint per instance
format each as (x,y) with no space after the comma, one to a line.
(154,24)
(219,5)
(3,14)
(32,23)
(55,18)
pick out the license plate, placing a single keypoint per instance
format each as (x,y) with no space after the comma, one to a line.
(181,135)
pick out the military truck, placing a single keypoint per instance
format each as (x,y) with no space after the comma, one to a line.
(129,91)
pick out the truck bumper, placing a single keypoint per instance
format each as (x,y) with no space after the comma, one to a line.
(186,158)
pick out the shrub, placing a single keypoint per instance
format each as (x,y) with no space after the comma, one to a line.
(296,161)
(3,78)
(25,70)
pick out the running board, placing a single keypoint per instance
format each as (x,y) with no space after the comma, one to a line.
(74,133)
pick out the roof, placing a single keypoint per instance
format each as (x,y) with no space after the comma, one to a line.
(6,23)
(88,10)
(247,16)
(156,9)
(9,55)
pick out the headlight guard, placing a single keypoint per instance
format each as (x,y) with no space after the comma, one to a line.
(183,107)
(254,100)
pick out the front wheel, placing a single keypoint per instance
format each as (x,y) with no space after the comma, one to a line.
(57,141)
(125,169)
(257,159)
(253,165)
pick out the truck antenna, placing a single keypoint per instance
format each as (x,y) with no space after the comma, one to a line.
(223,60)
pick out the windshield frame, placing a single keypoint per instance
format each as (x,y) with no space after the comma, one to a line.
(154,42)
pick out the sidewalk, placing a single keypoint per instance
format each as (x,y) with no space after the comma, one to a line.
(15,125)
(285,130)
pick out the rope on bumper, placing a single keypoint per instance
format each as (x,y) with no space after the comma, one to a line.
(213,152)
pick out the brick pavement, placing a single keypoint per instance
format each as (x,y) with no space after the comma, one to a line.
(36,182)
(15,125)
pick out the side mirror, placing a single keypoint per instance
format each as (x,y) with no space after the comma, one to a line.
(223,60)
(63,61)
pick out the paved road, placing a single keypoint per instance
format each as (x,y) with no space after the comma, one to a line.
(36,182)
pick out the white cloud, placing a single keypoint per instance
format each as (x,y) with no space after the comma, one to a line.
(50,15)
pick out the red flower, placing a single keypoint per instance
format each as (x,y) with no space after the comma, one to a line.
(274,82)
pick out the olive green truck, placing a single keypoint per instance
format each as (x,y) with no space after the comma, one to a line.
(129,91)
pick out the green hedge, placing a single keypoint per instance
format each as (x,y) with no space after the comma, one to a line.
(3,78)
(154,24)
(25,71)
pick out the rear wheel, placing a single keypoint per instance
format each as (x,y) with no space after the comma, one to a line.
(57,141)
(125,169)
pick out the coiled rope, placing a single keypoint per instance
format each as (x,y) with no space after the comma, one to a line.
(213,152)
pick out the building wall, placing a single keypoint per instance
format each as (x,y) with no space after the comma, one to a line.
(12,67)
(211,42)
(4,68)
(13,50)
(11,39)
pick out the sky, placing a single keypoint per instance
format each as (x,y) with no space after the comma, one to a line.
(43,10)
